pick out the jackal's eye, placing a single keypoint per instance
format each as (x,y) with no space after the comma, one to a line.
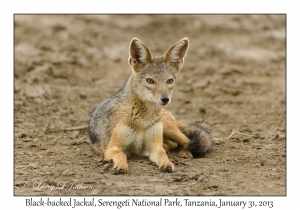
(170,81)
(150,81)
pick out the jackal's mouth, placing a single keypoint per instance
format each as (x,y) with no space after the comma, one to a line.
(164,104)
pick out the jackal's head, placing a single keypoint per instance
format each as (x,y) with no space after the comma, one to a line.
(153,78)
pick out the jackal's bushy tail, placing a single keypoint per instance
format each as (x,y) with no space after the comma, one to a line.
(200,139)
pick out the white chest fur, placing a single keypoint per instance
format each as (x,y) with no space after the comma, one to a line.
(137,141)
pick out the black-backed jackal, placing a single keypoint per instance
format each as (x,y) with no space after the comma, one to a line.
(134,121)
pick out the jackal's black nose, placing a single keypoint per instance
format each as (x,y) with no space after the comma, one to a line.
(165,100)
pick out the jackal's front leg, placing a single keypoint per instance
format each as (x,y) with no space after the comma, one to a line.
(115,152)
(154,145)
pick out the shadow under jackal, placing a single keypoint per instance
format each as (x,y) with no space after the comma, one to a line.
(135,122)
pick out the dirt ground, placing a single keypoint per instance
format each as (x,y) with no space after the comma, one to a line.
(233,81)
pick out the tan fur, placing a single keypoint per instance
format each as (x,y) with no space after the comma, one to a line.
(135,121)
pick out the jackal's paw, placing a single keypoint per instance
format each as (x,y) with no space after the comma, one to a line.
(185,154)
(120,168)
(167,167)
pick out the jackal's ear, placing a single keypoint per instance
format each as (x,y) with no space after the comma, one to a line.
(138,53)
(177,52)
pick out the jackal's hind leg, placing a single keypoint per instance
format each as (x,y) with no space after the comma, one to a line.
(172,131)
(169,145)
(185,154)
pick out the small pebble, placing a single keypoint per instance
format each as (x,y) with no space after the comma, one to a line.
(82,95)
(27,139)
(257,165)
